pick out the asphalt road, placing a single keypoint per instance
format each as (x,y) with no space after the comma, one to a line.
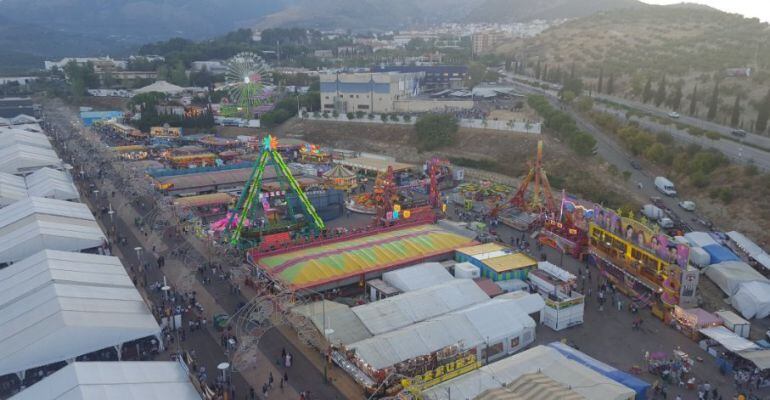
(738,152)
(741,151)
(610,151)
(757,140)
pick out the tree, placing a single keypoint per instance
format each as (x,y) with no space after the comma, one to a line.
(675,100)
(660,95)
(763,114)
(585,104)
(735,115)
(611,84)
(544,77)
(647,95)
(435,130)
(178,75)
(694,101)
(572,71)
(537,70)
(600,85)
(714,103)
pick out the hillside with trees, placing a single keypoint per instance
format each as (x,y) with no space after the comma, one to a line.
(678,57)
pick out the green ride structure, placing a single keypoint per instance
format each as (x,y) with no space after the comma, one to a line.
(242,230)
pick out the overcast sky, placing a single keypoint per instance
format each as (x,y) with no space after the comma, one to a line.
(750,8)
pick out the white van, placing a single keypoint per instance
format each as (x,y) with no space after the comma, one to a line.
(665,186)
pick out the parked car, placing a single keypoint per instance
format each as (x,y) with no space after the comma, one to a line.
(739,133)
(687,205)
(673,114)
(635,165)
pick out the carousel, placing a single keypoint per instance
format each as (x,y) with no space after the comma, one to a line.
(340,178)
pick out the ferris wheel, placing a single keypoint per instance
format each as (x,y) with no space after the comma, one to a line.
(246,77)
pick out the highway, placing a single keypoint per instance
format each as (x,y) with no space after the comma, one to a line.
(610,151)
(739,150)
(752,139)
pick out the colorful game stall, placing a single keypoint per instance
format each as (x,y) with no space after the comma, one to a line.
(497,262)
(358,259)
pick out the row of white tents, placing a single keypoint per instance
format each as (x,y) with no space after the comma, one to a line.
(748,290)
(58,303)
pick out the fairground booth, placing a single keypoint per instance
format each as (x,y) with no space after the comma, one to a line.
(643,262)
(165,131)
(567,232)
(131,152)
(497,262)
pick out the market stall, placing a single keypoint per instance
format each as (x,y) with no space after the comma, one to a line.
(691,321)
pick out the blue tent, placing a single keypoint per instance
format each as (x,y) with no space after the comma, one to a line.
(720,253)
(639,386)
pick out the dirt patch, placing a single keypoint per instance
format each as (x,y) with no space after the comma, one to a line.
(509,151)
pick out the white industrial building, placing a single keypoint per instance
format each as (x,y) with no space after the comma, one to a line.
(27,227)
(587,383)
(61,305)
(147,380)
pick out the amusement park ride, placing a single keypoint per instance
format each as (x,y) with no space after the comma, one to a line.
(243,230)
(541,201)
(386,194)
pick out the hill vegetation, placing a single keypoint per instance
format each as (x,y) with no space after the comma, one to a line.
(659,55)
(525,10)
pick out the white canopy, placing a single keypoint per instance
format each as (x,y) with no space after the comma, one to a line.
(752,299)
(729,275)
(745,243)
(58,305)
(492,321)
(760,358)
(581,379)
(417,276)
(699,239)
(51,183)
(531,303)
(146,380)
(12,189)
(18,158)
(729,339)
(161,87)
(22,136)
(27,227)
(561,274)
(412,307)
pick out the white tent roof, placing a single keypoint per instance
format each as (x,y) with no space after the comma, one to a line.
(51,183)
(699,239)
(729,275)
(58,305)
(146,380)
(412,307)
(561,274)
(729,339)
(17,158)
(337,320)
(417,276)
(162,87)
(23,119)
(493,320)
(12,189)
(529,302)
(14,135)
(581,379)
(745,243)
(752,299)
(27,227)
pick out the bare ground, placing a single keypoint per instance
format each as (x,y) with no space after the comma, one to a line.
(510,151)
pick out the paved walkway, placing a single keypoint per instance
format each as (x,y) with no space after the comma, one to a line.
(305,373)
